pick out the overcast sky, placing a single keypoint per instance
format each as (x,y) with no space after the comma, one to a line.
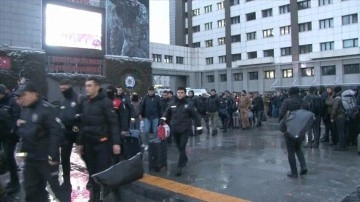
(159,21)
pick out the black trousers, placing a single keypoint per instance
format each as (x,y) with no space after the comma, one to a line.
(181,140)
(98,158)
(9,148)
(294,148)
(66,148)
(36,175)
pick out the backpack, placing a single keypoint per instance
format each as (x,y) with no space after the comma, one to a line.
(315,105)
(349,105)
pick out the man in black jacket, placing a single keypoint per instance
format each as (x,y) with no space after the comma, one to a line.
(258,108)
(11,139)
(293,147)
(99,133)
(150,111)
(181,112)
(212,108)
(41,134)
(70,110)
(126,111)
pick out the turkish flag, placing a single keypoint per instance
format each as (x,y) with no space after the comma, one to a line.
(5,62)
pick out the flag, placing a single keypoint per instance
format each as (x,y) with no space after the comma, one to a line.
(5,62)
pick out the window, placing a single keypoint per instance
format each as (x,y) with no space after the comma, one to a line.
(303,27)
(352,69)
(270,74)
(266,13)
(196,45)
(221,41)
(235,38)
(234,2)
(186,31)
(220,5)
(325,2)
(196,12)
(251,36)
(284,9)
(250,16)
(287,73)
(236,57)
(326,23)
(208,26)
(349,43)
(179,60)
(221,23)
(349,19)
(222,59)
(253,76)
(252,55)
(304,4)
(209,43)
(223,77)
(235,20)
(208,9)
(168,59)
(196,28)
(307,72)
(268,33)
(285,51)
(305,48)
(328,70)
(327,46)
(269,53)
(209,61)
(210,79)
(238,76)
(285,30)
(156,58)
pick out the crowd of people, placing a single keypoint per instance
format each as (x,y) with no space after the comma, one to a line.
(96,122)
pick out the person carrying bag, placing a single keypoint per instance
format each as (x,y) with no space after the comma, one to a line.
(291,113)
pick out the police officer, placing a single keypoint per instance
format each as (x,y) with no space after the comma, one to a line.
(99,134)
(126,111)
(182,112)
(41,134)
(70,110)
(10,140)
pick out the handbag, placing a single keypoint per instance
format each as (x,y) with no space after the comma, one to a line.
(122,173)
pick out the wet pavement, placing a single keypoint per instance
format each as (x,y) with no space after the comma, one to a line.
(250,165)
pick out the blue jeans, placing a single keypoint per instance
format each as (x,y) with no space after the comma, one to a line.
(153,124)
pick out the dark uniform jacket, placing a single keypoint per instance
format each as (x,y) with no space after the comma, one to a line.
(181,113)
(290,104)
(201,105)
(258,104)
(99,122)
(126,112)
(213,104)
(70,111)
(14,111)
(41,131)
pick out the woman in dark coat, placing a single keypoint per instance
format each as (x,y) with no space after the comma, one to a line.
(293,147)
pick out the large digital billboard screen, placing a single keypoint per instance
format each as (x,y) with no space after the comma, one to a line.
(127,28)
(74,29)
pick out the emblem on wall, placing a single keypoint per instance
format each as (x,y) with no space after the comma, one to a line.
(130,81)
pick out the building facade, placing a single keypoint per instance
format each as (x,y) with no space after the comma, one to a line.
(263,46)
